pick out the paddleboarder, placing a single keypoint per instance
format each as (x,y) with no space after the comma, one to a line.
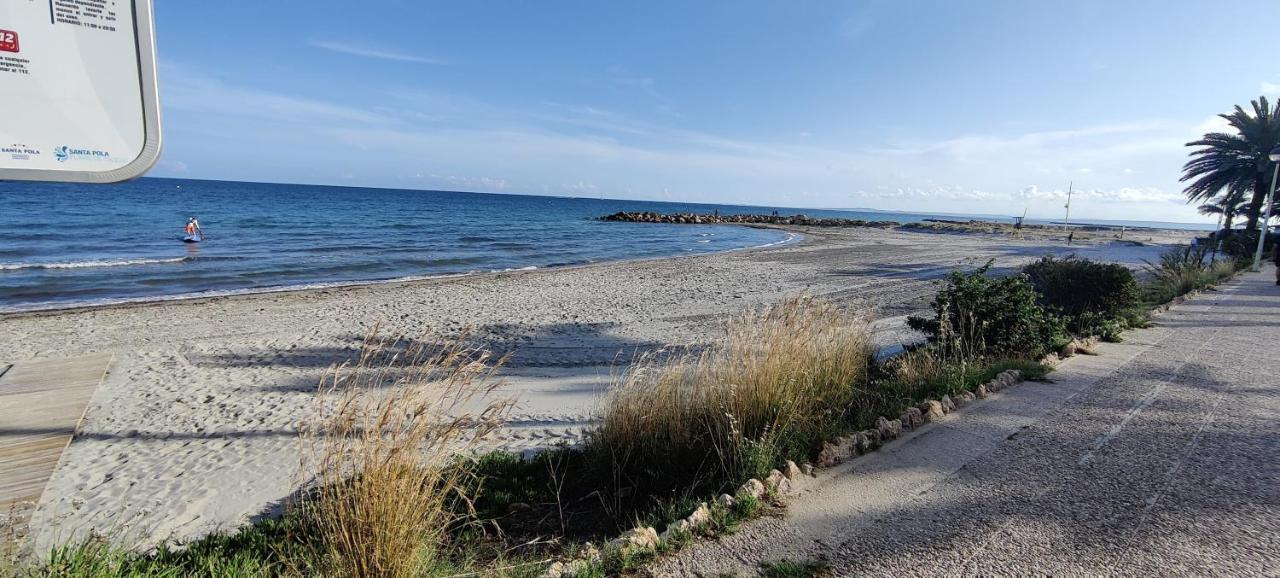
(193,229)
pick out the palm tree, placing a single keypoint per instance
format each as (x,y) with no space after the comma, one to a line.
(1236,161)
(1230,204)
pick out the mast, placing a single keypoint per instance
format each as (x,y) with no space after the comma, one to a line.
(1066,220)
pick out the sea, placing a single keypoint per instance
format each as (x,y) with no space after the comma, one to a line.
(66,245)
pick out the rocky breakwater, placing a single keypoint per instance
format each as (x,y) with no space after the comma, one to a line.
(717,219)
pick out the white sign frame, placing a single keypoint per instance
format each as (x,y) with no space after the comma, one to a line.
(145,41)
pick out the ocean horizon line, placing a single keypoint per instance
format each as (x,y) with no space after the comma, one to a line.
(1030,219)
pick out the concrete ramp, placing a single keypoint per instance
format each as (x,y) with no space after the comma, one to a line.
(41,404)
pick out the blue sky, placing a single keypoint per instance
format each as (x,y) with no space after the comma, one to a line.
(979,107)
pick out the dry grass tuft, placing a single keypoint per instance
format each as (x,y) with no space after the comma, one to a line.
(777,381)
(387,490)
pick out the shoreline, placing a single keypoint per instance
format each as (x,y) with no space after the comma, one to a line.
(793,236)
(793,231)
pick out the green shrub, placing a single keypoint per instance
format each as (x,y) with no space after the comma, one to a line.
(1089,296)
(977,315)
(1241,245)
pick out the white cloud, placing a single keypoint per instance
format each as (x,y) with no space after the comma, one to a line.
(856,26)
(984,145)
(375,52)
(580,188)
(1214,123)
(1047,200)
(644,85)
(209,95)
(863,19)
(173,167)
(584,149)
(465,183)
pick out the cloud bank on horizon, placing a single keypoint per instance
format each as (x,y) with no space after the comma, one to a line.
(929,106)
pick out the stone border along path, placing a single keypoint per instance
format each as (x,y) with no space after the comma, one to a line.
(1159,455)
(834,452)
(782,482)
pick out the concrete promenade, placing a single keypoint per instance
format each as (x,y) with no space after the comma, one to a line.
(1160,456)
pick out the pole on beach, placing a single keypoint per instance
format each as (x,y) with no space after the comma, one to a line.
(1066,219)
(1262,232)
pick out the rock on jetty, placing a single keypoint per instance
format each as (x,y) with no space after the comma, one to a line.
(701,219)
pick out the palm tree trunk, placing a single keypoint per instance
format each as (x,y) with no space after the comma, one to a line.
(1255,204)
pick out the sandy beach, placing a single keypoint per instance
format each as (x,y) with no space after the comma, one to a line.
(195,427)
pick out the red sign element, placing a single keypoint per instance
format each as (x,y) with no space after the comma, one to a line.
(8,41)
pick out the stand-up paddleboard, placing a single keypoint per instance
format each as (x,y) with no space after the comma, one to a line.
(196,238)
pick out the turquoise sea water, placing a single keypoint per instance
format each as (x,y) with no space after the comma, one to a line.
(68,245)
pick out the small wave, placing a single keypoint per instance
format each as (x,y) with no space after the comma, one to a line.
(476,239)
(29,237)
(788,239)
(339,248)
(87,264)
(512,245)
(445,261)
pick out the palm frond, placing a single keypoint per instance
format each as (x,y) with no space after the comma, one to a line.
(1228,170)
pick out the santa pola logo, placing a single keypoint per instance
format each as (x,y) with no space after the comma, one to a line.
(20,152)
(65,153)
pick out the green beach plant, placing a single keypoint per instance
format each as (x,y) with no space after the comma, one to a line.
(1089,296)
(977,315)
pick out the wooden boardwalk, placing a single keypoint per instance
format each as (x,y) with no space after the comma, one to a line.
(41,404)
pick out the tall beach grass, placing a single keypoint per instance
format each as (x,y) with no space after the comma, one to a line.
(775,383)
(388,490)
